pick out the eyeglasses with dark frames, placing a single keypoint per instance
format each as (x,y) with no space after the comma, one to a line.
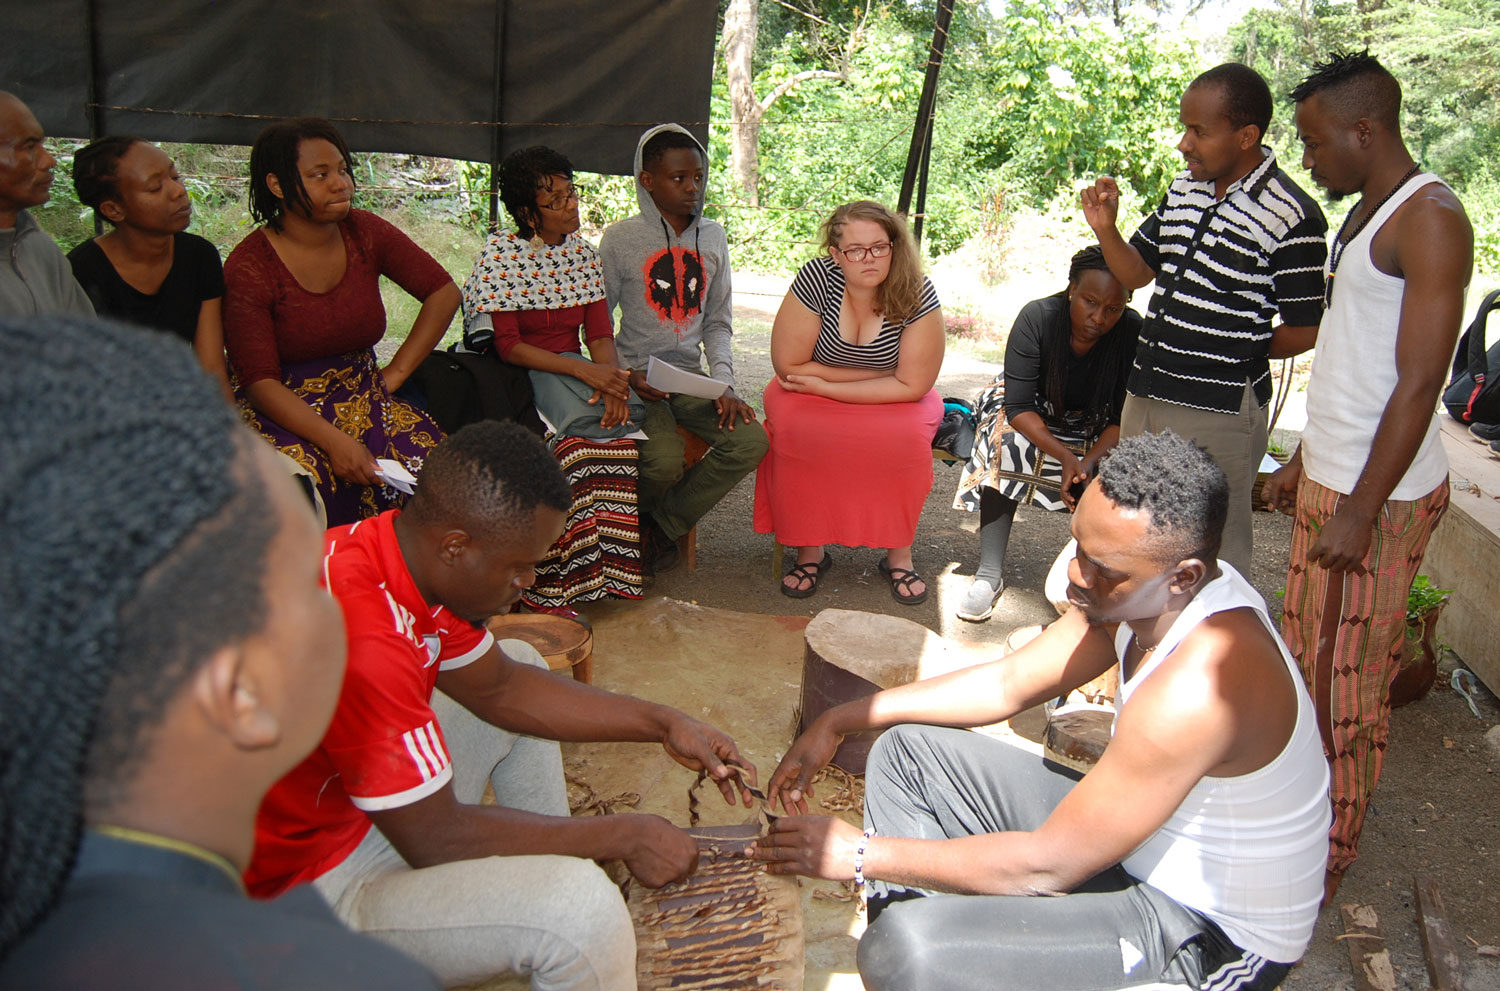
(561,200)
(860,252)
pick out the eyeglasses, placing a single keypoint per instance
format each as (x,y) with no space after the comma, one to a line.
(860,252)
(561,201)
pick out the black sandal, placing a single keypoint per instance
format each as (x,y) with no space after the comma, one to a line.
(902,578)
(812,571)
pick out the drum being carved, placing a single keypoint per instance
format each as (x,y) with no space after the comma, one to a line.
(729,926)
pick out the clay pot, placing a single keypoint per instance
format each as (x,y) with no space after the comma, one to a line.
(1418,668)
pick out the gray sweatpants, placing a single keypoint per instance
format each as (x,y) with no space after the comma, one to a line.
(1112,932)
(559,919)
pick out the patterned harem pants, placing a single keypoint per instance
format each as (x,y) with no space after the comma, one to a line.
(1346,632)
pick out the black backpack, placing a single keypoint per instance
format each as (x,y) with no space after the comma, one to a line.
(457,388)
(1473,395)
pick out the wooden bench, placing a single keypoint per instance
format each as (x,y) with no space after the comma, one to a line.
(1464,553)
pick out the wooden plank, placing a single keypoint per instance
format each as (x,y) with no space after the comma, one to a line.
(1472,465)
(1369,959)
(1465,551)
(1438,944)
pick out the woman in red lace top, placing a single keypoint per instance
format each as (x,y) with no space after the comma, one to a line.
(302,315)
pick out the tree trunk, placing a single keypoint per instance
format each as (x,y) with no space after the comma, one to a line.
(741,25)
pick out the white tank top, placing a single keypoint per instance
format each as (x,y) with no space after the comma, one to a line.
(1248,852)
(1354,370)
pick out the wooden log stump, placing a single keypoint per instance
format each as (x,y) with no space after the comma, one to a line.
(566,643)
(1076,737)
(851,654)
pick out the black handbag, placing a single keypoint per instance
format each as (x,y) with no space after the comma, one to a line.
(457,388)
(1473,395)
(955,432)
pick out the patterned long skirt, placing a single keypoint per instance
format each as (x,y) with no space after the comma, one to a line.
(348,391)
(1006,461)
(599,552)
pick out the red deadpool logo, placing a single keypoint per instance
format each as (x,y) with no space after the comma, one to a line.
(674,285)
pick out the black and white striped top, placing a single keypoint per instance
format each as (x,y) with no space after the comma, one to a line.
(1224,269)
(820,287)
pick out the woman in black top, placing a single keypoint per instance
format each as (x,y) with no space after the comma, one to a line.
(1050,415)
(146,269)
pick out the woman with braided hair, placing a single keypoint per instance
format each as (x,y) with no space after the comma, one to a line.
(536,290)
(1049,416)
(168,655)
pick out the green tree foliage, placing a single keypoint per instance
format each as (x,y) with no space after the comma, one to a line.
(1074,98)
(1029,103)
(826,143)
(1446,54)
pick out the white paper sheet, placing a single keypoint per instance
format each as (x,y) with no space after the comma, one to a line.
(394,474)
(636,434)
(668,378)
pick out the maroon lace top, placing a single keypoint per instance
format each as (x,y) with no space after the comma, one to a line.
(271,320)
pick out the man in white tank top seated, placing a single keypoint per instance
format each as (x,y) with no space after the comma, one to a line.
(1191,856)
(1369,481)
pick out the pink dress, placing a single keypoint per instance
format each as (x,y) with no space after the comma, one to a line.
(853,474)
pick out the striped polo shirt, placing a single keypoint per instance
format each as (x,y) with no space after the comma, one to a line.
(1224,269)
(820,288)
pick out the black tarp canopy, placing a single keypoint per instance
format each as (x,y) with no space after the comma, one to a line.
(469,79)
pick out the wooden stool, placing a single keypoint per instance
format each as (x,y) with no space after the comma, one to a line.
(693,450)
(1077,735)
(851,654)
(565,642)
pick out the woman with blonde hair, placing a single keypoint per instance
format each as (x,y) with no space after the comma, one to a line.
(856,346)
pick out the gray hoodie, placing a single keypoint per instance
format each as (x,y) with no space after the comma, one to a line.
(673,290)
(35,276)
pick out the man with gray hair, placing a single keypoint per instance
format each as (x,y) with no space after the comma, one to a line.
(34,274)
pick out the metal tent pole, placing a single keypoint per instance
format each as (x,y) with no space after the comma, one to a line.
(921,132)
(502,7)
(916,225)
(95,108)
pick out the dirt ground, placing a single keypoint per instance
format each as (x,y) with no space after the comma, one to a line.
(1437,812)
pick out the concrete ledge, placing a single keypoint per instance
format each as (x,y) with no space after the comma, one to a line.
(1464,554)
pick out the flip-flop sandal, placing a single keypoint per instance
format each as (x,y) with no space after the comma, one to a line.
(813,571)
(903,577)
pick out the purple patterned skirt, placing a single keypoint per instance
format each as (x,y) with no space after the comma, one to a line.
(348,391)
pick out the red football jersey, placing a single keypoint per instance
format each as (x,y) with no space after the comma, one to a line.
(384,748)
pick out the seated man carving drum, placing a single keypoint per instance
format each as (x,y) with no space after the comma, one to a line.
(1191,855)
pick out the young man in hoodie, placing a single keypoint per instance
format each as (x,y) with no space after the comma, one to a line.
(668,270)
(35,277)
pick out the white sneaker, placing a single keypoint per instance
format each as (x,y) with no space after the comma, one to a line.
(978,603)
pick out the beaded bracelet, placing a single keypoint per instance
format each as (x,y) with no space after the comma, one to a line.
(859,859)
